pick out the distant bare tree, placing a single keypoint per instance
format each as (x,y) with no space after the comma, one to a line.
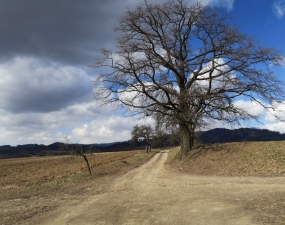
(189,64)
(77,150)
(145,132)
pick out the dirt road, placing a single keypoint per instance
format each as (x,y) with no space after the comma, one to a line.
(156,194)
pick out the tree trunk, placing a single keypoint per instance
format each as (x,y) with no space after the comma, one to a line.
(146,149)
(186,140)
(88,166)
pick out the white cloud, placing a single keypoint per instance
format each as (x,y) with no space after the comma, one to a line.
(85,122)
(279,126)
(279,8)
(267,117)
(222,81)
(253,108)
(32,85)
(45,128)
(279,112)
(221,3)
(41,102)
(112,129)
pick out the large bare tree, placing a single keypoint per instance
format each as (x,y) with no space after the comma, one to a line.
(188,63)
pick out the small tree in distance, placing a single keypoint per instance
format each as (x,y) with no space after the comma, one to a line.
(188,64)
(145,132)
(77,150)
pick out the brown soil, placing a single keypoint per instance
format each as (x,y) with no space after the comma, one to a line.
(156,193)
(27,171)
(30,187)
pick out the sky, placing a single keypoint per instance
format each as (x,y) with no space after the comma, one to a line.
(46,85)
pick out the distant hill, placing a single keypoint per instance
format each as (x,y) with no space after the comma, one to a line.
(34,150)
(218,135)
(222,135)
(29,150)
(104,144)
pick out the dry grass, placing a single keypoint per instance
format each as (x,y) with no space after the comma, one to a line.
(261,159)
(173,155)
(31,176)
(235,159)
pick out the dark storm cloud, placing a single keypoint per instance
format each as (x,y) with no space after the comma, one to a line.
(68,31)
(31,85)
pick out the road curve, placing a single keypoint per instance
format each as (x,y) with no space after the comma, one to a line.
(155,194)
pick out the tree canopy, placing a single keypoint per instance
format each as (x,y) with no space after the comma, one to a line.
(187,64)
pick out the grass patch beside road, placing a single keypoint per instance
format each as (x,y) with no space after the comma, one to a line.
(235,159)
